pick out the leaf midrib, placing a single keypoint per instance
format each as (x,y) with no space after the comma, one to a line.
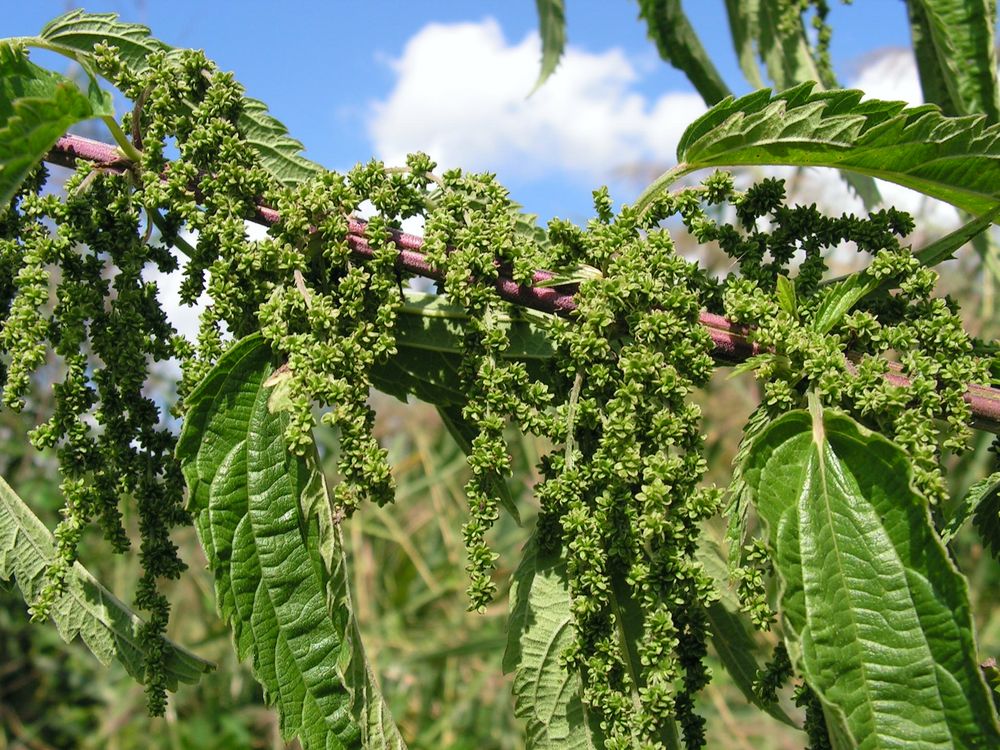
(869,701)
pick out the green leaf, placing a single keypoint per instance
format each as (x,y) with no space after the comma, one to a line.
(431,323)
(429,333)
(786,296)
(984,494)
(932,81)
(954,45)
(875,613)
(87,609)
(987,516)
(944,248)
(552,28)
(784,47)
(368,706)
(953,159)
(843,294)
(76,33)
(744,25)
(279,153)
(678,44)
(278,583)
(36,107)
(546,694)
(840,298)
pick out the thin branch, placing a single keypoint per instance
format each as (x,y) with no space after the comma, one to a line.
(731,344)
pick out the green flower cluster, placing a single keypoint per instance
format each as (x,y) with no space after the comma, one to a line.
(79,291)
(847,360)
(472,232)
(622,495)
(333,317)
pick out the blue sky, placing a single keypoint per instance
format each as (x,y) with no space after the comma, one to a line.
(357,79)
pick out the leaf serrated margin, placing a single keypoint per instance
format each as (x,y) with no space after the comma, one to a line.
(546,694)
(77,32)
(851,536)
(954,159)
(87,609)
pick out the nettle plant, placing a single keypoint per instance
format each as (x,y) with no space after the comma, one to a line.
(592,337)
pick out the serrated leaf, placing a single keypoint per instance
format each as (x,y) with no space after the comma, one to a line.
(552,29)
(36,107)
(987,516)
(279,153)
(77,32)
(87,609)
(876,615)
(546,694)
(956,56)
(843,294)
(789,61)
(737,493)
(984,494)
(256,505)
(678,44)
(368,706)
(953,159)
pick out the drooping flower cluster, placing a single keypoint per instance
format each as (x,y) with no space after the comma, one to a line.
(622,497)
(847,361)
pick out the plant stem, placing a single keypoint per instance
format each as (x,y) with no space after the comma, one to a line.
(731,344)
(658,186)
(122,140)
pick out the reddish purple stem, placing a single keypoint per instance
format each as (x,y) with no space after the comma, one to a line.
(731,345)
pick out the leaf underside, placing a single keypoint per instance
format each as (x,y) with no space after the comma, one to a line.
(428,361)
(77,32)
(875,613)
(954,45)
(953,159)
(731,633)
(87,609)
(546,694)
(668,26)
(552,29)
(784,47)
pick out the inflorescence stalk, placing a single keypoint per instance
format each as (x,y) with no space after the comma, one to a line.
(731,345)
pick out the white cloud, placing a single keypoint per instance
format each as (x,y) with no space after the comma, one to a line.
(461,95)
(890,74)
